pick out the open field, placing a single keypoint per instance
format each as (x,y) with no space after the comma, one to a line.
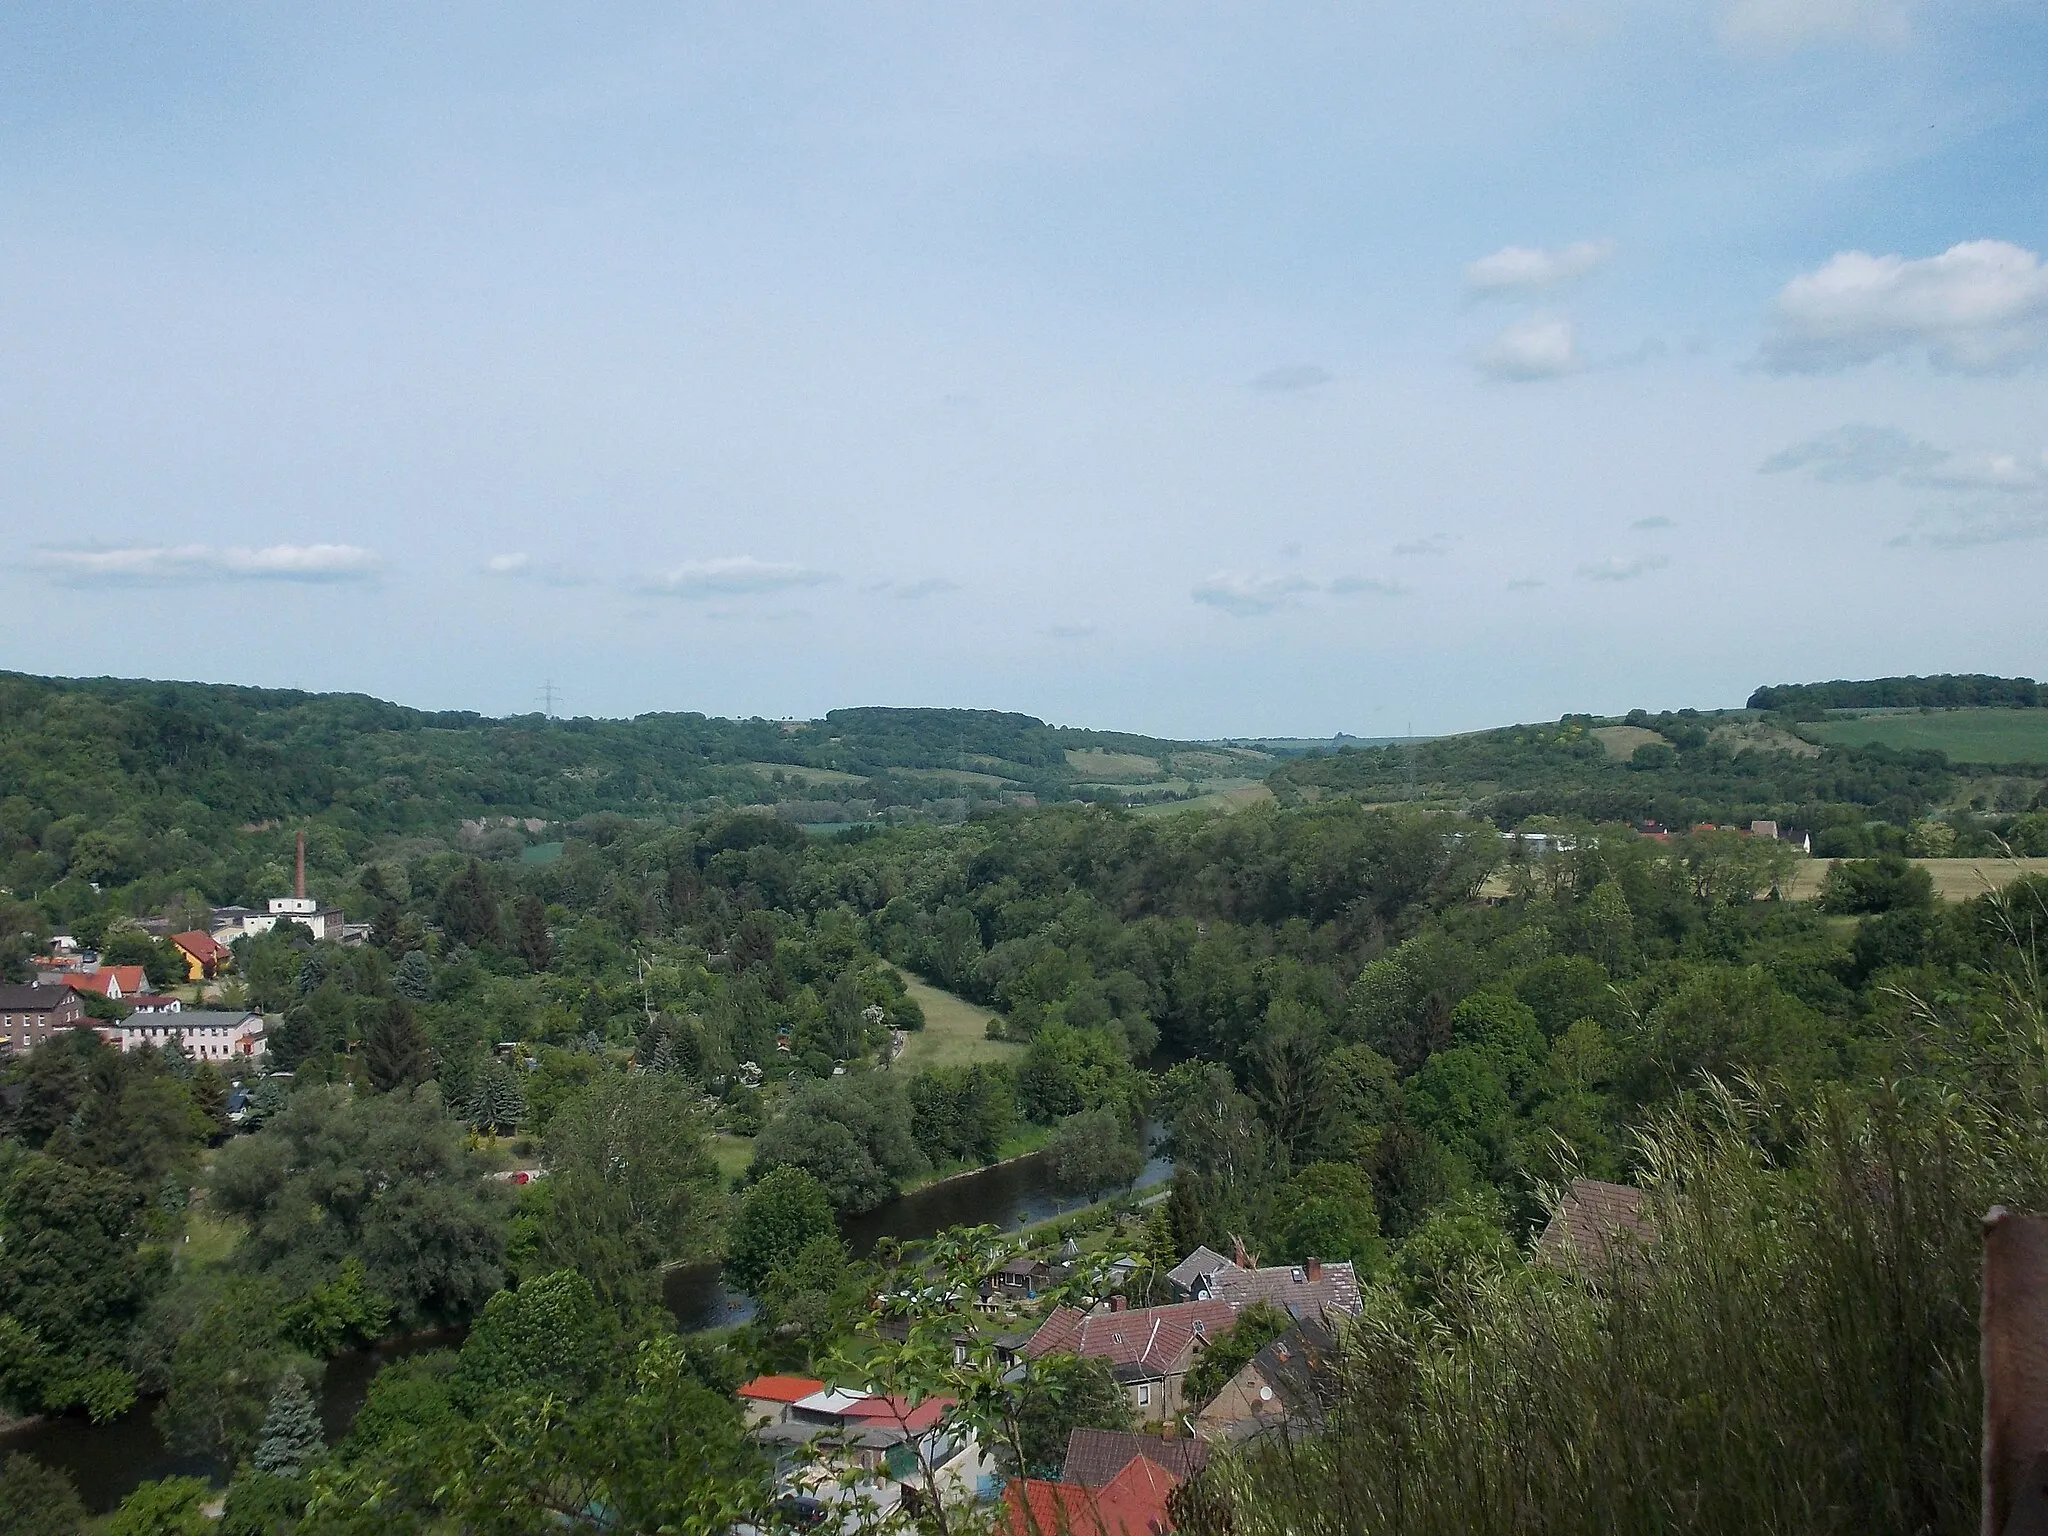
(1097,764)
(960,776)
(209,1239)
(1736,735)
(810,777)
(955,1032)
(1954,879)
(1621,741)
(1224,796)
(1966,735)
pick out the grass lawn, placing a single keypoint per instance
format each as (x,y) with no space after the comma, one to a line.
(1966,735)
(732,1153)
(955,1032)
(209,1239)
(1097,764)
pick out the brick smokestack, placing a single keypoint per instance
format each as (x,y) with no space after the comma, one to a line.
(1315,1270)
(299,885)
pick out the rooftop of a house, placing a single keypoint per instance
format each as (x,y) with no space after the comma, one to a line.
(1133,1503)
(1145,1341)
(1096,1456)
(1306,1290)
(1202,1262)
(188,1018)
(129,977)
(32,999)
(780,1389)
(203,947)
(1593,1223)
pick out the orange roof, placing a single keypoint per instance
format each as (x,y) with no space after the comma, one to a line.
(1133,1503)
(130,976)
(203,947)
(781,1389)
(897,1412)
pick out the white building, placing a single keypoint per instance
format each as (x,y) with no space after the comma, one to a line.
(205,1034)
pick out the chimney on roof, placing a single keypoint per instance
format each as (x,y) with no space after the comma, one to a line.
(299,885)
(1315,1270)
(1117,1303)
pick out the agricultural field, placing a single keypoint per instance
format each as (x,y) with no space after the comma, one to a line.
(955,1032)
(810,778)
(1740,734)
(1954,879)
(1222,795)
(1094,763)
(1967,735)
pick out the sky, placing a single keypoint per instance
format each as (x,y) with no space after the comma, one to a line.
(1190,369)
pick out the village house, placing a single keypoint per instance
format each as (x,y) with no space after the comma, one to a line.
(205,956)
(1595,1224)
(1308,1290)
(204,1034)
(1150,1349)
(1284,1388)
(30,1015)
(1113,1484)
(836,1446)
(113,982)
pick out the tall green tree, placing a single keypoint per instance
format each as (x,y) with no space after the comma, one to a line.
(36,1500)
(781,1213)
(290,1436)
(396,1052)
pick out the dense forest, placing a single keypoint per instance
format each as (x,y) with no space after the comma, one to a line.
(1945,692)
(1375,1032)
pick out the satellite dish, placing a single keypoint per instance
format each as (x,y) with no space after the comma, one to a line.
(1265,1394)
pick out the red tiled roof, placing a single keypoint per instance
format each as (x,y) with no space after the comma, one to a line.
(130,977)
(780,1389)
(897,1412)
(203,947)
(1288,1287)
(1156,1339)
(1133,1503)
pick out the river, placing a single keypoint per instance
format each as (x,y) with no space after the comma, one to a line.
(106,1461)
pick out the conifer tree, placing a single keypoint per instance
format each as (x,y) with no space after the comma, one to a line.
(536,944)
(495,1104)
(291,1429)
(395,1049)
(414,976)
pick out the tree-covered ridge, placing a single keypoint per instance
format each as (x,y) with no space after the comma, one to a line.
(1943,691)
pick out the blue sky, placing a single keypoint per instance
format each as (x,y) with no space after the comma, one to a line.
(1196,370)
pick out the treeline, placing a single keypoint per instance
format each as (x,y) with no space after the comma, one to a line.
(1948,690)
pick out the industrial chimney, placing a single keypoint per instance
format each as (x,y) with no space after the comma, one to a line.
(299,885)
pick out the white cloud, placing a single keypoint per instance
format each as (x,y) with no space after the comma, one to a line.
(1780,26)
(1292,378)
(1517,271)
(201,563)
(1618,568)
(1529,350)
(1978,307)
(521,566)
(1250,596)
(1652,524)
(912,591)
(731,576)
(508,565)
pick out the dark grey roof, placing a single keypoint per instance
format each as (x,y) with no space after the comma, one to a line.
(1287,1287)
(1095,1456)
(192,1018)
(32,999)
(1203,1261)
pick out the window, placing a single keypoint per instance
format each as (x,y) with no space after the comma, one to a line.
(1144,1394)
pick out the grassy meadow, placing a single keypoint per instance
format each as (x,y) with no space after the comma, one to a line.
(955,1032)
(1967,735)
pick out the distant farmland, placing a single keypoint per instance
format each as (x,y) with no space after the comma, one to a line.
(1990,736)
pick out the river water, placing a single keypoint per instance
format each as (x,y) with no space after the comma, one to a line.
(106,1461)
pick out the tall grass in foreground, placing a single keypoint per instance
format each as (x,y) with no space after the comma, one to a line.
(1796,1352)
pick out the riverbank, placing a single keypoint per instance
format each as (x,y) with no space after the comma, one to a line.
(1027,1144)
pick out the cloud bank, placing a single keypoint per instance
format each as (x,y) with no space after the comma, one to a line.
(1978,307)
(143,564)
(731,576)
(1252,596)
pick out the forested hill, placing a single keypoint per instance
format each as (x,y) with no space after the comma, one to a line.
(187,785)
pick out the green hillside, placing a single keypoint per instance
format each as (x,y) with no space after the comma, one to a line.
(1989,736)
